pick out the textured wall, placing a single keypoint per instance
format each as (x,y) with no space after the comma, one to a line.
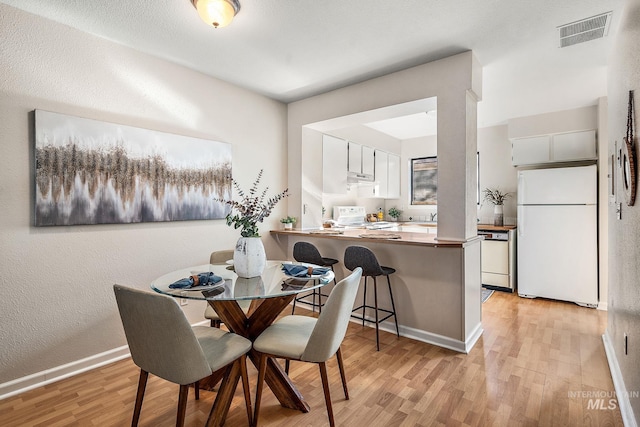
(624,234)
(57,301)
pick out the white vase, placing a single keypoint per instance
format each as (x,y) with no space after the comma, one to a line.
(288,226)
(498,215)
(249,258)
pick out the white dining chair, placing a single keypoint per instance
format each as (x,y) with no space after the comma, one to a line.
(310,339)
(163,343)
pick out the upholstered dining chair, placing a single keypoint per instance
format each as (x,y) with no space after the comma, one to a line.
(163,343)
(216,258)
(310,339)
(308,253)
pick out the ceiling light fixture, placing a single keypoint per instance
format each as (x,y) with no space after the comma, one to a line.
(218,13)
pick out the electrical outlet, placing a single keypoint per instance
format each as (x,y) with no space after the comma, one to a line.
(184,301)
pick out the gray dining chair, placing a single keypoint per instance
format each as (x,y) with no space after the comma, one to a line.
(360,256)
(163,343)
(310,339)
(307,252)
(218,258)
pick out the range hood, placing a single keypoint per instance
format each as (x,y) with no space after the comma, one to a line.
(353,177)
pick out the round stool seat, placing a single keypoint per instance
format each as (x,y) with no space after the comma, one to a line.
(387,270)
(328,262)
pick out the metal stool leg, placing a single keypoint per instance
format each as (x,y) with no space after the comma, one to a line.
(364,300)
(375,299)
(294,305)
(393,306)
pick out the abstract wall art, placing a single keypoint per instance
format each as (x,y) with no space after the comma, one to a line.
(92,172)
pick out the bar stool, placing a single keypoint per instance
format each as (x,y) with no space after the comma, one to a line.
(307,252)
(359,256)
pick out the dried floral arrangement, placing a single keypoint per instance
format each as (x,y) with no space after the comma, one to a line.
(252,208)
(495,196)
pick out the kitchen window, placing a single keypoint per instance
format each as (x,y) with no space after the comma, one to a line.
(424,181)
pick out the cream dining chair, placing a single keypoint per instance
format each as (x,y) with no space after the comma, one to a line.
(310,339)
(163,343)
(217,258)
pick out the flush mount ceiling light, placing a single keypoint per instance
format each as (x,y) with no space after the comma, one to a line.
(218,13)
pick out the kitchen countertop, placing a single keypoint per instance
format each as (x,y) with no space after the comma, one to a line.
(406,237)
(491,227)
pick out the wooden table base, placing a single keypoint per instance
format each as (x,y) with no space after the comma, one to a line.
(261,314)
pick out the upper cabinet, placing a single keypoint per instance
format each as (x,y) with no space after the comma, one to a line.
(334,165)
(361,162)
(368,161)
(560,147)
(393,177)
(376,173)
(387,178)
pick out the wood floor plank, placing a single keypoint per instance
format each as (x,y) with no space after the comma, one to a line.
(538,362)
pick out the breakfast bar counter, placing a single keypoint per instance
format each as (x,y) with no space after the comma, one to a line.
(390,236)
(436,287)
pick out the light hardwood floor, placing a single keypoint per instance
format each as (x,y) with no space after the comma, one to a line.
(530,367)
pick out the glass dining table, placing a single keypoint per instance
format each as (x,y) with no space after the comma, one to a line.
(269,294)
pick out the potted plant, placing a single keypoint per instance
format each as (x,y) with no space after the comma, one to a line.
(395,213)
(288,222)
(496,197)
(249,257)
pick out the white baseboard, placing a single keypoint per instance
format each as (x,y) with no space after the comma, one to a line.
(622,394)
(602,305)
(48,376)
(424,336)
(429,337)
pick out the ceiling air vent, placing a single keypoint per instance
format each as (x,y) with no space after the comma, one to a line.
(584,30)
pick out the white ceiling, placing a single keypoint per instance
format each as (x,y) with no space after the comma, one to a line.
(292,49)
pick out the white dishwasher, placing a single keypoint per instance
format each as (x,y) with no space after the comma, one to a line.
(498,254)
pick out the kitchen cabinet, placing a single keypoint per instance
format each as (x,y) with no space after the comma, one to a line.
(334,165)
(361,161)
(386,184)
(381,172)
(530,151)
(574,146)
(368,161)
(393,177)
(355,158)
(560,147)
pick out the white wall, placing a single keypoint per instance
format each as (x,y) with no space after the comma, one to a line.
(624,233)
(57,301)
(496,171)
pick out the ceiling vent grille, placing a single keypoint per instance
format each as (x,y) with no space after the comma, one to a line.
(584,30)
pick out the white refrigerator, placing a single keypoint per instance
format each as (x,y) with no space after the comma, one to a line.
(557,234)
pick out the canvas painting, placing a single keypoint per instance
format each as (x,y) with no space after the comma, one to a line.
(92,172)
(424,181)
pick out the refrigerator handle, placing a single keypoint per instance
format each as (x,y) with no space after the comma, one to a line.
(521,221)
(521,188)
